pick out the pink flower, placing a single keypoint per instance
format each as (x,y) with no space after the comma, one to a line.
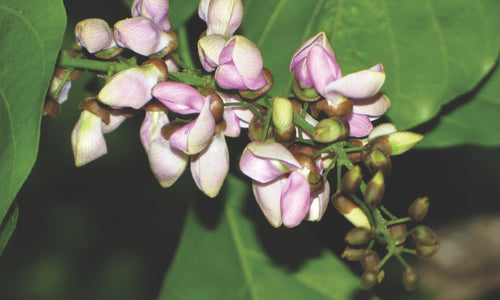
(193,137)
(155,10)
(142,36)
(240,65)
(281,186)
(315,64)
(209,50)
(87,139)
(94,34)
(223,17)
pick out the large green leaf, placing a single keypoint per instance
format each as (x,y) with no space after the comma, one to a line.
(8,227)
(240,257)
(30,37)
(432,50)
(472,119)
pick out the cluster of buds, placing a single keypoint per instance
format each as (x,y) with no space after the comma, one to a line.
(295,142)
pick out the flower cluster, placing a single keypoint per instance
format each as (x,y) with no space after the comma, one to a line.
(295,142)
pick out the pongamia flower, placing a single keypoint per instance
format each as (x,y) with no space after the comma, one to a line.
(87,139)
(155,10)
(142,36)
(209,50)
(132,87)
(240,65)
(281,184)
(223,17)
(94,34)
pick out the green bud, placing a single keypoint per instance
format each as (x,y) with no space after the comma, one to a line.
(370,260)
(379,161)
(330,130)
(410,279)
(398,230)
(369,279)
(352,180)
(283,118)
(418,209)
(306,95)
(424,235)
(350,211)
(375,190)
(358,236)
(403,141)
(426,251)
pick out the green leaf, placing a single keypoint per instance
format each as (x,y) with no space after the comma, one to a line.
(472,119)
(8,227)
(432,50)
(31,34)
(240,257)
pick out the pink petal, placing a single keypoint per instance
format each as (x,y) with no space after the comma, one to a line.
(268,196)
(151,127)
(357,85)
(166,162)
(87,139)
(232,123)
(322,68)
(319,203)
(374,106)
(156,10)
(248,60)
(197,134)
(295,199)
(209,50)
(224,16)
(209,167)
(178,97)
(360,125)
(227,77)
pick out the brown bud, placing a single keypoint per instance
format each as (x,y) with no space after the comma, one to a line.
(155,105)
(353,254)
(256,129)
(95,107)
(378,161)
(249,94)
(383,144)
(355,156)
(426,251)
(418,209)
(397,231)
(340,109)
(375,190)
(410,279)
(370,260)
(424,235)
(51,107)
(350,211)
(358,236)
(351,180)
(369,279)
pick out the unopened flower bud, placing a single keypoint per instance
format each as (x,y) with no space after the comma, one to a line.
(330,130)
(370,260)
(253,94)
(155,10)
(369,279)
(222,16)
(353,253)
(397,231)
(410,279)
(256,129)
(351,180)
(358,236)
(424,235)
(426,251)
(283,118)
(350,211)
(87,139)
(375,190)
(95,35)
(403,141)
(306,95)
(418,209)
(377,160)
(341,108)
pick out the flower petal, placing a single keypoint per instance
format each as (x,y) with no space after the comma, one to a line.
(360,125)
(166,162)
(382,129)
(268,196)
(209,167)
(295,199)
(357,85)
(319,203)
(209,50)
(178,97)
(322,68)
(374,106)
(87,139)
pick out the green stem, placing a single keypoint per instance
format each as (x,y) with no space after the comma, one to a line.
(302,123)
(387,212)
(67,61)
(63,81)
(268,123)
(384,260)
(398,221)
